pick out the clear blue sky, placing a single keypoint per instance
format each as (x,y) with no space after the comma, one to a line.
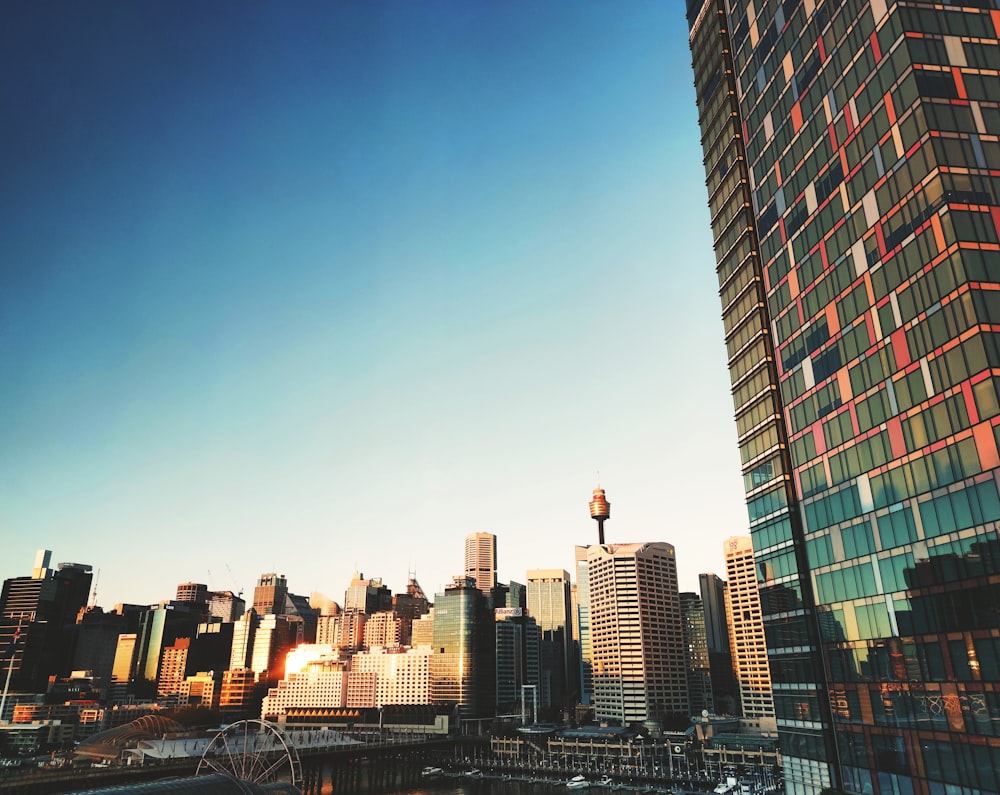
(321,286)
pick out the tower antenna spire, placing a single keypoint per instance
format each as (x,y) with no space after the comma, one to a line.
(600,511)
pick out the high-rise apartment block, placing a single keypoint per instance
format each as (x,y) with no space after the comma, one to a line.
(481,560)
(746,632)
(851,153)
(636,633)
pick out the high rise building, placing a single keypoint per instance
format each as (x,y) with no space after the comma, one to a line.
(746,631)
(36,611)
(725,691)
(463,664)
(548,598)
(481,560)
(851,151)
(269,594)
(192,592)
(367,596)
(518,659)
(584,646)
(696,659)
(636,633)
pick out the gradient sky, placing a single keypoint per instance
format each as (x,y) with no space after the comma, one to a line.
(319,287)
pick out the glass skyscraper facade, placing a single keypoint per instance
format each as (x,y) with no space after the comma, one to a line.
(853,169)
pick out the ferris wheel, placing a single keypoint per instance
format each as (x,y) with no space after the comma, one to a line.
(254,751)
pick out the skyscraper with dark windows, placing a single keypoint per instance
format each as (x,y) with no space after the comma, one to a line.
(851,154)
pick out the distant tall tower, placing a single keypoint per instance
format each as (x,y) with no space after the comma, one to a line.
(637,637)
(600,510)
(481,560)
(746,629)
(269,595)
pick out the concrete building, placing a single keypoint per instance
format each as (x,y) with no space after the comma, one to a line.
(383,629)
(746,631)
(636,633)
(400,676)
(481,560)
(269,594)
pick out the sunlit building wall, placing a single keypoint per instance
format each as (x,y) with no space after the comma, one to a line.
(850,153)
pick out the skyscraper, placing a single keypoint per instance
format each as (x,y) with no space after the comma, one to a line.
(269,594)
(699,675)
(481,560)
(746,632)
(463,666)
(636,634)
(848,149)
(548,598)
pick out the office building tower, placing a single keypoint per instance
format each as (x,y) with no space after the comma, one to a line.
(367,596)
(122,668)
(518,659)
(382,629)
(636,633)
(422,630)
(35,615)
(463,664)
(159,626)
(320,683)
(269,594)
(194,592)
(481,560)
(725,691)
(699,672)
(244,631)
(409,607)
(226,606)
(548,599)
(173,669)
(851,151)
(584,647)
(746,631)
(274,637)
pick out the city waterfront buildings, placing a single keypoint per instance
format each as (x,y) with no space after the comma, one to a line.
(851,155)
(637,638)
(699,672)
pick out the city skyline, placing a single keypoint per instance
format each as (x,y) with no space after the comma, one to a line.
(305,293)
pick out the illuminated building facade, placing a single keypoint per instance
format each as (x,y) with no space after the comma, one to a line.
(851,156)
(637,637)
(746,631)
(481,560)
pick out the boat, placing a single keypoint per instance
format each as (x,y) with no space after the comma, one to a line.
(605,781)
(578,782)
(474,773)
(432,772)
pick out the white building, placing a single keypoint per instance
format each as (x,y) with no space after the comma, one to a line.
(636,632)
(390,676)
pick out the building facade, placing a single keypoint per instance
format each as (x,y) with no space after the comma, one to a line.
(549,603)
(463,666)
(481,560)
(636,633)
(746,632)
(851,154)
(699,672)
